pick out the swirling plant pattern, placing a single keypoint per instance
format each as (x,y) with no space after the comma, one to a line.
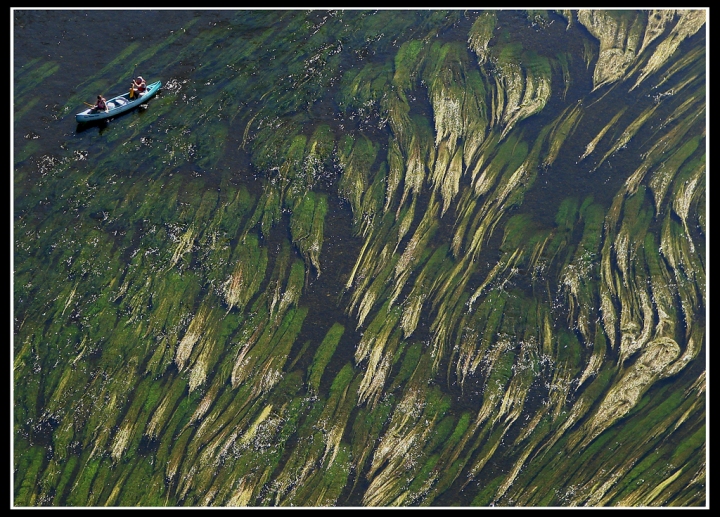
(372,258)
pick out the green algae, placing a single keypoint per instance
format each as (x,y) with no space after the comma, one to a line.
(356,158)
(165,255)
(31,148)
(34,75)
(481,33)
(30,463)
(408,64)
(366,88)
(661,179)
(323,355)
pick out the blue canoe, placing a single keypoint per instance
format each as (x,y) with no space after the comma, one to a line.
(117,105)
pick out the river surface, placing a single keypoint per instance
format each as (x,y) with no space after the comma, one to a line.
(234,296)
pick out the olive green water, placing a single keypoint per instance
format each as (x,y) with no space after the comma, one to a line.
(368,258)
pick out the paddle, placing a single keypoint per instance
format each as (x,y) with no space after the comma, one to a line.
(132,86)
(88,104)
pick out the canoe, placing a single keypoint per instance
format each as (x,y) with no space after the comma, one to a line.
(119,104)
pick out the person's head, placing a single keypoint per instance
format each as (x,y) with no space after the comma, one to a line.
(99,97)
(139,79)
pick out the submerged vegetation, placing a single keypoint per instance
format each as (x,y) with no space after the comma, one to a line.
(374,258)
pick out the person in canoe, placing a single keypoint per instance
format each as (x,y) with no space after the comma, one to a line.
(138,87)
(100,105)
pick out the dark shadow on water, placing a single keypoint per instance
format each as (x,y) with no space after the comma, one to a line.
(100,124)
